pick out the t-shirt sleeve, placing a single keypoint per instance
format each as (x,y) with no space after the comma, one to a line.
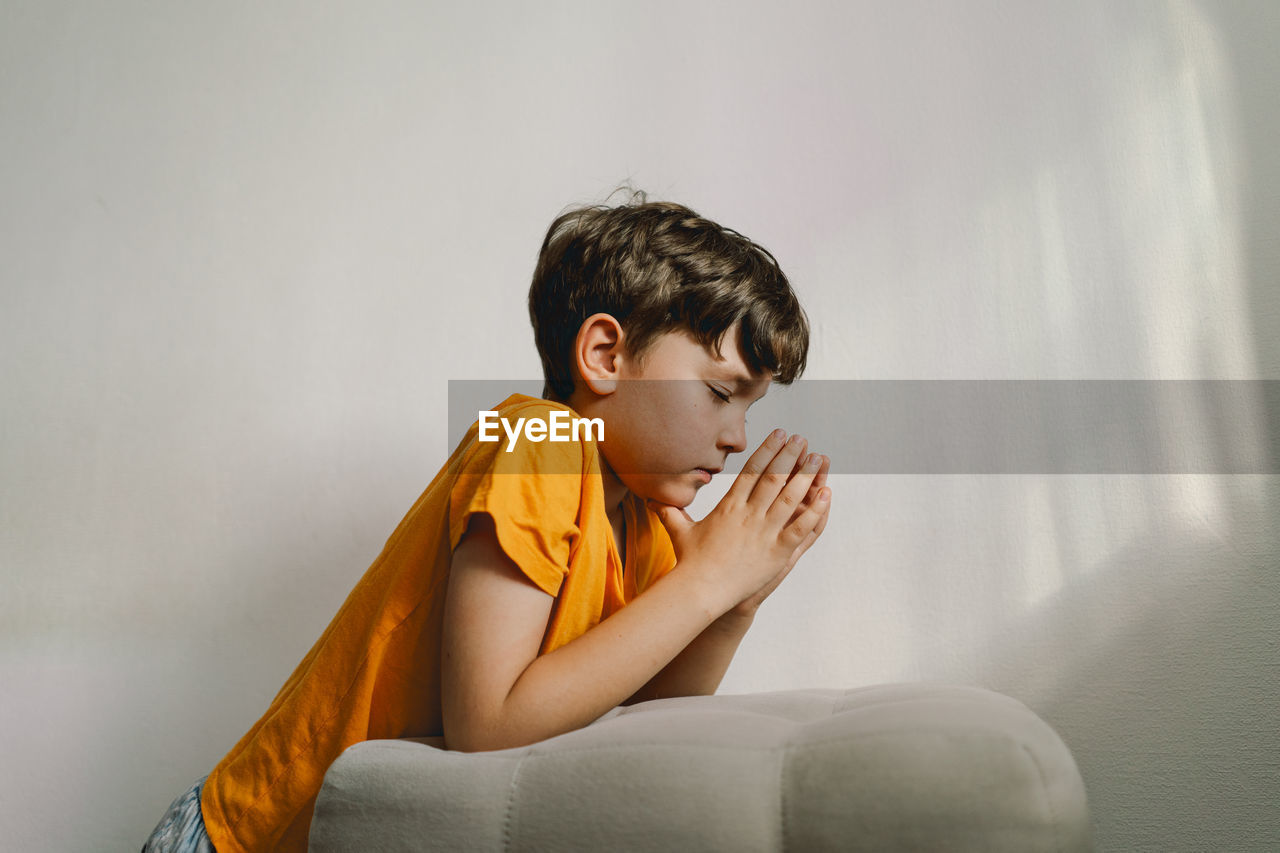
(533,494)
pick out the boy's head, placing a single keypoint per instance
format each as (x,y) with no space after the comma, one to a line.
(658,267)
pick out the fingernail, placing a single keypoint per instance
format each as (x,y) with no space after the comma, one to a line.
(812,463)
(824,495)
(797,438)
(778,435)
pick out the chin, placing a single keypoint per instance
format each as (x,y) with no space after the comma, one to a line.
(677,493)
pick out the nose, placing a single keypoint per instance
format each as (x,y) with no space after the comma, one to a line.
(733,437)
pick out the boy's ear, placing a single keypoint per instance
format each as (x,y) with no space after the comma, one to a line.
(597,351)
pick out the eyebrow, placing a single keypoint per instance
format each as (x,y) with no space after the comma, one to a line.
(743,383)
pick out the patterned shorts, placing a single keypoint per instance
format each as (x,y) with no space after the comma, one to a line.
(181,830)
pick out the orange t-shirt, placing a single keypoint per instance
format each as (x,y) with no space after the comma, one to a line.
(375,672)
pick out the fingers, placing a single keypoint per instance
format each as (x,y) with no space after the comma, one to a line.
(675,519)
(778,474)
(819,484)
(822,522)
(812,495)
(790,500)
(787,485)
(821,480)
(809,520)
(755,466)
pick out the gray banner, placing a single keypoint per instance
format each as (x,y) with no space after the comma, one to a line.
(996,426)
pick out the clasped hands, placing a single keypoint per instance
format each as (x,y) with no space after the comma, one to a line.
(775,510)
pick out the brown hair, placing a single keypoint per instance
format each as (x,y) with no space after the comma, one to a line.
(658,267)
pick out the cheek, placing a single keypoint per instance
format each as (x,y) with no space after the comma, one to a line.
(639,445)
(662,429)
(656,426)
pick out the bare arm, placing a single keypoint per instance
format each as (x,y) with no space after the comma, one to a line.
(498,692)
(701,665)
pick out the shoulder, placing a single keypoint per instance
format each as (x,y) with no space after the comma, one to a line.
(531,487)
(535,478)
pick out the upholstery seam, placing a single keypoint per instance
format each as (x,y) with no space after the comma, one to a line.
(511,800)
(782,801)
(880,703)
(1048,800)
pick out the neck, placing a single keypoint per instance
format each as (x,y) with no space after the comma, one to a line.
(615,491)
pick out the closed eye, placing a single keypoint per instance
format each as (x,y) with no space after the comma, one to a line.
(722,396)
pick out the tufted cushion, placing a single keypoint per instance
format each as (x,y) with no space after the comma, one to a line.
(899,767)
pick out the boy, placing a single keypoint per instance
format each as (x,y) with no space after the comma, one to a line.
(536,585)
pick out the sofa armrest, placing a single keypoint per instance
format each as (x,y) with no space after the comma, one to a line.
(895,767)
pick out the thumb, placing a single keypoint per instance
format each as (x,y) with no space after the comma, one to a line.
(674,518)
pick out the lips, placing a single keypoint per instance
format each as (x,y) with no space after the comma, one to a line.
(708,473)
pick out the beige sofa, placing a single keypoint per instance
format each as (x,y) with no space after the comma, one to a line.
(898,767)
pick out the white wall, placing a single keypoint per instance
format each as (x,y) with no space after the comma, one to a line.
(245,246)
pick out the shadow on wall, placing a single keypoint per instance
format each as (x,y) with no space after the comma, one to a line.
(1160,664)
(1247,30)
(1170,706)
(1169,696)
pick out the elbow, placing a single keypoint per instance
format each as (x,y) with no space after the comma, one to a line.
(459,742)
(463,738)
(481,743)
(477,736)
(455,745)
